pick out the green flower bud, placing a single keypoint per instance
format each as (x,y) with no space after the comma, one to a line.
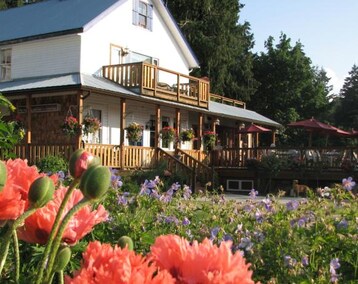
(126,241)
(41,191)
(62,259)
(80,161)
(95,182)
(3,175)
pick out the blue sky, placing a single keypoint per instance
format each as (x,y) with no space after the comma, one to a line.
(327,29)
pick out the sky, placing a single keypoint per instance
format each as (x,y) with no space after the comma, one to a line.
(327,29)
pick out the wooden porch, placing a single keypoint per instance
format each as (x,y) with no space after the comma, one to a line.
(154,81)
(201,166)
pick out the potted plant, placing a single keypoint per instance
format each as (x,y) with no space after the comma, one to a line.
(134,132)
(91,124)
(167,133)
(71,127)
(187,135)
(209,138)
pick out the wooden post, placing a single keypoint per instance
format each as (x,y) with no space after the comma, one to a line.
(200,131)
(122,125)
(177,130)
(29,127)
(274,136)
(80,117)
(157,126)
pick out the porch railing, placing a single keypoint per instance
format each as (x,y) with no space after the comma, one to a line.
(154,81)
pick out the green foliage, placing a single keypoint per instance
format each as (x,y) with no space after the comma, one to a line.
(52,164)
(221,44)
(290,87)
(318,229)
(347,103)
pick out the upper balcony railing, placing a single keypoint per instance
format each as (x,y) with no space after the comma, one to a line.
(154,81)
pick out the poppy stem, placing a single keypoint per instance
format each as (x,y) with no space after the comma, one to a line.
(17,256)
(7,238)
(58,238)
(54,229)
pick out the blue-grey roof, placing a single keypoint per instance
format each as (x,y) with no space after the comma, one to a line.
(240,113)
(51,17)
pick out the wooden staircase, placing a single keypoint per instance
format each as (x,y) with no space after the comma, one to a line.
(197,173)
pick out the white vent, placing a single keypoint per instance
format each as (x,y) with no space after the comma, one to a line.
(239,185)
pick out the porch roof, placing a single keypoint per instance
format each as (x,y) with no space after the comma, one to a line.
(99,83)
(240,114)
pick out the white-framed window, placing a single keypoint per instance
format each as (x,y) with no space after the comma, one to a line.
(143,14)
(239,185)
(5,64)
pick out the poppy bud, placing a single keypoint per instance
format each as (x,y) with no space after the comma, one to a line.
(80,161)
(126,241)
(62,258)
(3,175)
(95,182)
(41,191)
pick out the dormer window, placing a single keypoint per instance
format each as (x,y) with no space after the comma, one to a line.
(5,64)
(142,14)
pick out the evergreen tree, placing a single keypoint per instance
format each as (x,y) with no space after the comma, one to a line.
(347,104)
(290,88)
(220,43)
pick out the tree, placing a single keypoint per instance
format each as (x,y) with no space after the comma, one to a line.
(347,103)
(290,88)
(220,43)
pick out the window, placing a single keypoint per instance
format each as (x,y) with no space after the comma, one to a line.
(142,14)
(5,64)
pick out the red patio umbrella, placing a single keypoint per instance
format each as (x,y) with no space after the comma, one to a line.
(253,128)
(313,125)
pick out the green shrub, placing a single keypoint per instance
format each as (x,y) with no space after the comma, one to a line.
(52,164)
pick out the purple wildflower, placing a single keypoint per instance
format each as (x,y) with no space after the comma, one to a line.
(259,236)
(116,181)
(214,233)
(333,266)
(258,216)
(187,192)
(343,224)
(305,260)
(292,205)
(166,197)
(186,221)
(289,261)
(348,183)
(227,237)
(268,203)
(253,193)
(61,175)
(245,243)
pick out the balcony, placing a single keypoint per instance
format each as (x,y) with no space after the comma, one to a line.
(154,81)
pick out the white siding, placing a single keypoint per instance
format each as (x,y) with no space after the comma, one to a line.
(43,57)
(117,28)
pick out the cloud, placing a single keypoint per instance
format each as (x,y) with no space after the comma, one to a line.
(336,81)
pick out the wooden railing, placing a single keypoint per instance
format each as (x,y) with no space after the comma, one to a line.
(131,157)
(36,152)
(228,101)
(175,165)
(326,157)
(203,173)
(154,81)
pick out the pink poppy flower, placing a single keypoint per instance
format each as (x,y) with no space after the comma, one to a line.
(13,197)
(104,264)
(200,262)
(38,226)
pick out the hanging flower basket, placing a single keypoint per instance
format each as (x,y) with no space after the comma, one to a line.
(134,132)
(187,135)
(209,139)
(90,124)
(71,127)
(167,133)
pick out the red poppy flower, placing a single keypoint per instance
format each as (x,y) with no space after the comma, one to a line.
(13,197)
(38,226)
(104,264)
(200,262)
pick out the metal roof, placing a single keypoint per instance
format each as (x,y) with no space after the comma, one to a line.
(240,114)
(100,83)
(50,17)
